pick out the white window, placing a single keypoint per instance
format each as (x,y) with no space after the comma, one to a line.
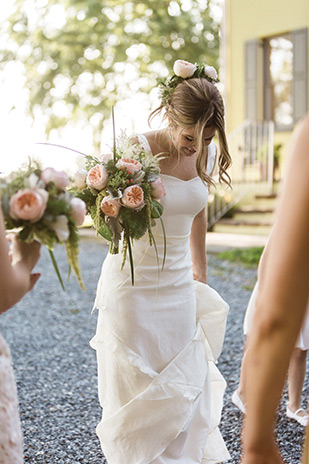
(278,79)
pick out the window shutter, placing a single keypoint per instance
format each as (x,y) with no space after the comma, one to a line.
(251,77)
(268,95)
(300,73)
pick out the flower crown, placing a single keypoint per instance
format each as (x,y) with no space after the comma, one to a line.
(184,70)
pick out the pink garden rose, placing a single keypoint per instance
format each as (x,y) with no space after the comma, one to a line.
(158,190)
(97,177)
(211,72)
(184,69)
(78,210)
(110,206)
(28,204)
(131,164)
(79,179)
(133,197)
(59,178)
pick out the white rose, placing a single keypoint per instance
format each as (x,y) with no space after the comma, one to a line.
(211,72)
(78,210)
(61,228)
(79,179)
(184,69)
(105,158)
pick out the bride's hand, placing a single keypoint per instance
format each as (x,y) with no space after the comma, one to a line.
(199,276)
(26,253)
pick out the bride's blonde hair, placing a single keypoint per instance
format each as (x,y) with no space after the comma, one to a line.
(197,103)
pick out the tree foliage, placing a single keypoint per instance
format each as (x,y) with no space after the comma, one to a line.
(82,56)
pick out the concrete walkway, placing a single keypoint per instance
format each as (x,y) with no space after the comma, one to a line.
(217,242)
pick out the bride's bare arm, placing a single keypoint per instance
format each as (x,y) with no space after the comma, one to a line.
(198,246)
(15,272)
(281,305)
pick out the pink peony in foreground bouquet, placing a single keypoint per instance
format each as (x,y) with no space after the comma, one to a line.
(122,192)
(38,203)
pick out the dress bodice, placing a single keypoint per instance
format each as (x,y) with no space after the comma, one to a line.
(184,199)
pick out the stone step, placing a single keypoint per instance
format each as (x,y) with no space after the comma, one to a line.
(249,209)
(241,222)
(266,196)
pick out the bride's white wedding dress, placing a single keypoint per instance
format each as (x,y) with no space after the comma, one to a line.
(157,343)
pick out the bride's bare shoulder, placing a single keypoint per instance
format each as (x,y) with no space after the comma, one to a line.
(154,140)
(149,136)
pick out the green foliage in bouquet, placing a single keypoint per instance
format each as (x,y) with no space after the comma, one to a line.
(37,203)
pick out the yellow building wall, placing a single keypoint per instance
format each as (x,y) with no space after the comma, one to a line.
(253,19)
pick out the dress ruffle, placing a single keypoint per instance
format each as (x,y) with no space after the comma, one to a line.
(165,417)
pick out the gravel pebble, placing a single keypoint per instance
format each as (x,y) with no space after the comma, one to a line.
(55,368)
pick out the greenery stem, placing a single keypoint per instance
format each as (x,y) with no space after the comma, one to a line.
(52,257)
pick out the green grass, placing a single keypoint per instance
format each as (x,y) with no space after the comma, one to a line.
(247,256)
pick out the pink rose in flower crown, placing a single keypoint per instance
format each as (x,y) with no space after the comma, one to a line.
(184,69)
(59,178)
(211,72)
(158,190)
(28,204)
(78,210)
(131,164)
(133,197)
(110,206)
(97,177)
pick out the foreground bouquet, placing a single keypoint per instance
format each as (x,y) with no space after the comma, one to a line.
(37,202)
(121,191)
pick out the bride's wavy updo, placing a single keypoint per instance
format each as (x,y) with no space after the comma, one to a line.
(197,103)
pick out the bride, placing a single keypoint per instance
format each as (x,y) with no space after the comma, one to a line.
(157,341)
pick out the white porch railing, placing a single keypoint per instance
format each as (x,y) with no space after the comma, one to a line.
(251,147)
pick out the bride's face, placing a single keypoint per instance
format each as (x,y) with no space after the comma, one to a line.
(184,140)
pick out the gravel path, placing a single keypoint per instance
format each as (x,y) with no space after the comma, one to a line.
(49,333)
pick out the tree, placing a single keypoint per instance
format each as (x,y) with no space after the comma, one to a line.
(82,56)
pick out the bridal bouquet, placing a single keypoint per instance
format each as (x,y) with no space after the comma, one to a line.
(121,191)
(38,203)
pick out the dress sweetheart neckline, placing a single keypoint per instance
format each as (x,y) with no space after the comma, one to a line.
(178,178)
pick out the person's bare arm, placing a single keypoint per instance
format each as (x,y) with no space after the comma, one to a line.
(281,305)
(198,246)
(15,269)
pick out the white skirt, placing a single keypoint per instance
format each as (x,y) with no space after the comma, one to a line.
(157,344)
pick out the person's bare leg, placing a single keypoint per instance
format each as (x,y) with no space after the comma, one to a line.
(238,397)
(241,385)
(296,378)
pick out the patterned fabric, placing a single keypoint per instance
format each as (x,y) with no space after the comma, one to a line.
(11,442)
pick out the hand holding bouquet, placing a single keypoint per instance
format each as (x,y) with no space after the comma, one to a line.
(38,203)
(121,191)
